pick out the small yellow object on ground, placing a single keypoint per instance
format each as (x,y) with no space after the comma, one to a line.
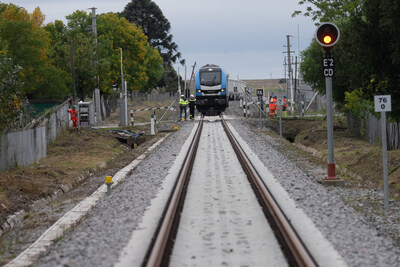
(109,180)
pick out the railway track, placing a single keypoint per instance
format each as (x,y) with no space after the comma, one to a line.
(161,251)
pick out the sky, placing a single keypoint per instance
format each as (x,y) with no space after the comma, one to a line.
(246,38)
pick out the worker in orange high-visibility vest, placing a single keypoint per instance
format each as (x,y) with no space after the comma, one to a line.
(272,105)
(284,106)
(74,118)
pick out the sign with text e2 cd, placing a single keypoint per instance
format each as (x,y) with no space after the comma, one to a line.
(328,66)
(382,103)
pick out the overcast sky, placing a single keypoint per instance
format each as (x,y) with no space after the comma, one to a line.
(246,38)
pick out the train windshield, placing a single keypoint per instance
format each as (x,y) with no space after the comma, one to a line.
(210,78)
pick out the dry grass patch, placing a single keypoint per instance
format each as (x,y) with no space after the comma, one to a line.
(67,158)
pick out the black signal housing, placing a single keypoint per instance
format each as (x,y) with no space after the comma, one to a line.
(327,35)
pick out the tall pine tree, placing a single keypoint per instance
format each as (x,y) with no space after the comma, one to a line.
(147,15)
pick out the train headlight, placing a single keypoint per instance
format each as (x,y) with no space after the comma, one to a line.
(198,91)
(222,90)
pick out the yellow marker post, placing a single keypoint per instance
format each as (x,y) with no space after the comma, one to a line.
(109,182)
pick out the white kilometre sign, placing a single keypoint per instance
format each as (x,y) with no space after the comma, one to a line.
(382,103)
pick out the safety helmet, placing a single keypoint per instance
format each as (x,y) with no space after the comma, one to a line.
(73,106)
(191,95)
(182,96)
(284,96)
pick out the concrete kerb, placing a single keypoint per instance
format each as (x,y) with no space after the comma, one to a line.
(73,217)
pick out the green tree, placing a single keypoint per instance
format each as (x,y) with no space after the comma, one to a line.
(11,95)
(147,15)
(142,63)
(328,10)
(23,47)
(79,35)
(367,56)
(310,67)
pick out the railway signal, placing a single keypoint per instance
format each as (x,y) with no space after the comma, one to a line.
(327,35)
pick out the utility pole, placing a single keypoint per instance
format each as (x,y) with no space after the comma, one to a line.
(298,41)
(191,76)
(297,88)
(94,24)
(124,106)
(185,84)
(97,97)
(178,97)
(284,70)
(73,71)
(290,74)
(94,32)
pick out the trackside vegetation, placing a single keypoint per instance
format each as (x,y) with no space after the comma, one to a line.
(367,56)
(56,60)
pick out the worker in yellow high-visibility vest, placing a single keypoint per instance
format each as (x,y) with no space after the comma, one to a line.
(182,106)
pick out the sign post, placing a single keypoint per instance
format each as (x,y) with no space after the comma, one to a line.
(280,103)
(260,93)
(383,104)
(327,35)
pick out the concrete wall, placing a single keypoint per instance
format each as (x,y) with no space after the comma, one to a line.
(22,147)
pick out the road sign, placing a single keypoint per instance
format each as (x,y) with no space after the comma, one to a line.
(328,66)
(260,92)
(382,103)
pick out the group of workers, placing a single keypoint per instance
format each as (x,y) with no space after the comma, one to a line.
(273,106)
(184,103)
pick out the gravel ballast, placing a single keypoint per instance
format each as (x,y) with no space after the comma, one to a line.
(99,239)
(357,241)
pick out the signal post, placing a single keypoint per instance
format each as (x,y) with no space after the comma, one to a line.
(327,35)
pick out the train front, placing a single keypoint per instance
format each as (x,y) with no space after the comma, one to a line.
(211,85)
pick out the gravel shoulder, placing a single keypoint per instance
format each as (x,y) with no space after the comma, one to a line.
(359,240)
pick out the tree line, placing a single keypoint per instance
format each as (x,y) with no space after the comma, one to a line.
(55,60)
(367,56)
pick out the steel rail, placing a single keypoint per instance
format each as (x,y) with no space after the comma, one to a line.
(297,253)
(161,247)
